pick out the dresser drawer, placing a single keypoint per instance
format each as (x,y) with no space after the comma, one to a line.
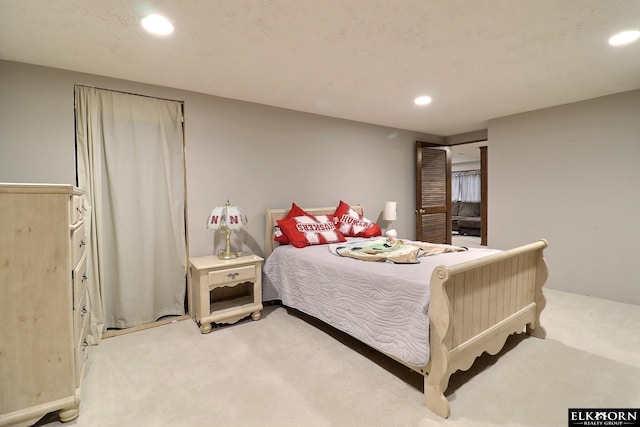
(232,275)
(79,279)
(81,350)
(78,244)
(80,315)
(76,209)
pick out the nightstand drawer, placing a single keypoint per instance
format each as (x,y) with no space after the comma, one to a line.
(232,275)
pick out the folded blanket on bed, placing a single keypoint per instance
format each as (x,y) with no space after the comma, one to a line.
(389,249)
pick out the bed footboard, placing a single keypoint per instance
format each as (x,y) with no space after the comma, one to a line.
(475,306)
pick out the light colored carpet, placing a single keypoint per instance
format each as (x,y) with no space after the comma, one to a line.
(281,371)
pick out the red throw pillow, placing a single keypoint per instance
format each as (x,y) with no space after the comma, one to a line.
(278,235)
(310,230)
(352,224)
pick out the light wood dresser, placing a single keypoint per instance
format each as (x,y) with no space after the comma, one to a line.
(44,304)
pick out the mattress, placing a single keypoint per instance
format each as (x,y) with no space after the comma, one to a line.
(382,304)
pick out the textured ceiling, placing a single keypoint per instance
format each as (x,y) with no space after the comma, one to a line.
(361,60)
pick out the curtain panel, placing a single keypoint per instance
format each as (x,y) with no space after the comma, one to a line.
(130,161)
(465,186)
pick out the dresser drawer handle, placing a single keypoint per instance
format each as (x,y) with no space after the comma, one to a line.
(84,278)
(232,275)
(84,310)
(82,243)
(85,344)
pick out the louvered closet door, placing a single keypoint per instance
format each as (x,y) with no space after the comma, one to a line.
(433,193)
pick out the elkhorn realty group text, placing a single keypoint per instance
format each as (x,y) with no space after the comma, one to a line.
(604,417)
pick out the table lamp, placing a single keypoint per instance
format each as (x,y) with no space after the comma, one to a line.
(227,218)
(390,214)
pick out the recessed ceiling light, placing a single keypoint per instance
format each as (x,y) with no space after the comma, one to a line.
(157,24)
(624,37)
(422,100)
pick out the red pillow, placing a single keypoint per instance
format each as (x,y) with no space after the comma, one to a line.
(351,224)
(310,230)
(278,235)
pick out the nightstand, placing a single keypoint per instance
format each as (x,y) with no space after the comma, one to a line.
(225,291)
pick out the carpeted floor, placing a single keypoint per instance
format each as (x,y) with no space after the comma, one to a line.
(282,371)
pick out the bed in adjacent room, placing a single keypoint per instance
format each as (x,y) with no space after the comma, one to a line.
(433,308)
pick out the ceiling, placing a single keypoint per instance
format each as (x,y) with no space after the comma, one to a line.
(363,60)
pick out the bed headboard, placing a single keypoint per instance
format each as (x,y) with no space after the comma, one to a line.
(273,215)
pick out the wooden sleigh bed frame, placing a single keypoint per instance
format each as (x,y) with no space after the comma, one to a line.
(474,307)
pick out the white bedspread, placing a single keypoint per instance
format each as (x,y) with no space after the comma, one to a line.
(382,304)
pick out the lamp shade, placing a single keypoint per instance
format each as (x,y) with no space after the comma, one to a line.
(226,217)
(389,213)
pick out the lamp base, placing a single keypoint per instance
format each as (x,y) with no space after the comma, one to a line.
(391,233)
(228,255)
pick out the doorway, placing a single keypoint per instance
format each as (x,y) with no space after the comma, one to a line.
(469,193)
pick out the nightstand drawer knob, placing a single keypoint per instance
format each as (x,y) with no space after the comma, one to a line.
(232,275)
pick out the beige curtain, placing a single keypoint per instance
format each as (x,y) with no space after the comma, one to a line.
(130,161)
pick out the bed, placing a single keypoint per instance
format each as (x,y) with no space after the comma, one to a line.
(435,317)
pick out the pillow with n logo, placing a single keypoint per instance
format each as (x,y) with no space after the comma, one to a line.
(352,224)
(310,230)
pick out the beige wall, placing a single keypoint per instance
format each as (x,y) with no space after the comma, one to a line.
(571,174)
(255,155)
(465,166)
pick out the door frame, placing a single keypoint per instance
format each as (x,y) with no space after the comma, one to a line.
(484,194)
(484,185)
